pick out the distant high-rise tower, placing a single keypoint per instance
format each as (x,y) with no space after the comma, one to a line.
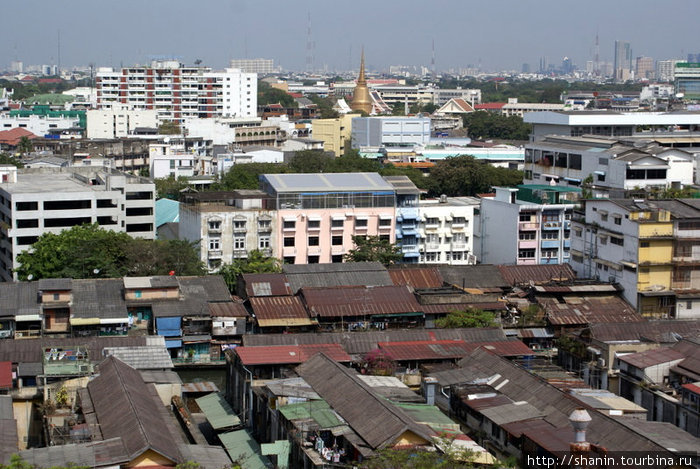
(644,68)
(623,60)
(361,100)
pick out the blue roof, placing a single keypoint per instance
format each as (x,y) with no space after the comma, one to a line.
(167,211)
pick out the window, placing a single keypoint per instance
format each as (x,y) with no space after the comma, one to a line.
(137,293)
(264,242)
(526,235)
(432,221)
(215,225)
(337,259)
(313,259)
(603,240)
(618,220)
(617,241)
(526,253)
(644,244)
(337,223)
(239,243)
(289,241)
(459,221)
(56,296)
(239,224)
(289,224)
(384,237)
(603,217)
(578,232)
(288,259)
(214,244)
(526,216)
(385,222)
(314,224)
(337,240)
(432,257)
(360,223)
(313,240)
(264,225)
(550,235)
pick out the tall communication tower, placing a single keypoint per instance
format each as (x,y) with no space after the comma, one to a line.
(596,61)
(432,60)
(309,48)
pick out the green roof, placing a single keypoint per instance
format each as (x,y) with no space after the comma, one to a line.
(242,448)
(167,211)
(49,98)
(429,415)
(218,411)
(318,410)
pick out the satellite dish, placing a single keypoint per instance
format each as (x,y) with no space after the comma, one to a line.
(166,140)
(680,95)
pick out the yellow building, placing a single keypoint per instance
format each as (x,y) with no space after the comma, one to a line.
(334,133)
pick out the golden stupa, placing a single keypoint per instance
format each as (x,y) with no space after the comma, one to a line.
(361,100)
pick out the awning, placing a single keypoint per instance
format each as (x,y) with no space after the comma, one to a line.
(27,317)
(286,322)
(362,217)
(114,320)
(396,315)
(84,321)
(604,212)
(338,217)
(550,176)
(314,218)
(196,338)
(629,264)
(289,218)
(599,173)
(572,179)
(658,293)
(173,343)
(388,217)
(612,265)
(411,254)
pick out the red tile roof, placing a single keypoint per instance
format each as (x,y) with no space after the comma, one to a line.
(50,80)
(289,354)
(692,387)
(424,277)
(359,301)
(5,375)
(13,136)
(489,106)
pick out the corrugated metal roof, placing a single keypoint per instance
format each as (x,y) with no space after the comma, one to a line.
(279,311)
(653,331)
(538,274)
(535,333)
(359,301)
(145,357)
(649,358)
(200,386)
(332,182)
(242,448)
(106,453)
(424,277)
(31,350)
(473,276)
(335,275)
(55,284)
(511,412)
(288,354)
(450,349)
(5,375)
(588,310)
(266,285)
(597,288)
(227,309)
(445,308)
(166,211)
(319,411)
(208,457)
(218,412)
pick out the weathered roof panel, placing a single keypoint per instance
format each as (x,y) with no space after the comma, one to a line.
(537,274)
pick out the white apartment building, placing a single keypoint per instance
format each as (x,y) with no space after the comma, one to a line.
(390,131)
(665,69)
(446,230)
(228,225)
(442,95)
(177,92)
(258,66)
(615,164)
(49,200)
(119,121)
(39,125)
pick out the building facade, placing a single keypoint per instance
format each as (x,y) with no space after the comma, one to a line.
(50,200)
(176,91)
(390,131)
(687,79)
(257,66)
(318,214)
(526,225)
(334,133)
(119,121)
(446,230)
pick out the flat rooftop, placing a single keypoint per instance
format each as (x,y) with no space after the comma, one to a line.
(328,182)
(32,183)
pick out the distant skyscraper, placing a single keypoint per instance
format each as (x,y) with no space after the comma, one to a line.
(16,67)
(694,58)
(623,60)
(526,68)
(259,66)
(567,67)
(665,69)
(543,65)
(644,68)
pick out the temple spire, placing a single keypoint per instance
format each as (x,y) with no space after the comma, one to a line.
(361,100)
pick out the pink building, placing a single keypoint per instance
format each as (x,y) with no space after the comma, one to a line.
(318,214)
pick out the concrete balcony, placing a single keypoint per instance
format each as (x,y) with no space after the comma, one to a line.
(289,251)
(549,260)
(550,243)
(688,260)
(459,246)
(527,244)
(458,227)
(409,248)
(432,246)
(215,254)
(551,225)
(529,226)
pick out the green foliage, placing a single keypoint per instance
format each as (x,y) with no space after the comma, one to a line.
(27,90)
(373,249)
(310,161)
(414,174)
(246,176)
(188,465)
(25,145)
(466,176)
(169,128)
(483,124)
(471,317)
(325,106)
(7,159)
(450,457)
(269,95)
(88,251)
(531,316)
(170,188)
(255,263)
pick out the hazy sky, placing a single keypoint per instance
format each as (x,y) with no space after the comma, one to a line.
(502,34)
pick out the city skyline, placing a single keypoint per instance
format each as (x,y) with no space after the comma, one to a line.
(500,35)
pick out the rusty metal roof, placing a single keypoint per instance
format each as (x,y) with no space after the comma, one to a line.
(227,309)
(266,285)
(200,386)
(450,349)
(289,354)
(450,307)
(651,331)
(473,276)
(335,275)
(419,277)
(589,310)
(360,301)
(279,311)
(649,358)
(538,274)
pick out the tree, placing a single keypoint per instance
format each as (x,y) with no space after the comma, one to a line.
(88,251)
(483,124)
(310,161)
(471,317)
(467,176)
(255,263)
(7,159)
(325,106)
(373,249)
(170,188)
(16,462)
(379,362)
(269,95)
(247,176)
(25,145)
